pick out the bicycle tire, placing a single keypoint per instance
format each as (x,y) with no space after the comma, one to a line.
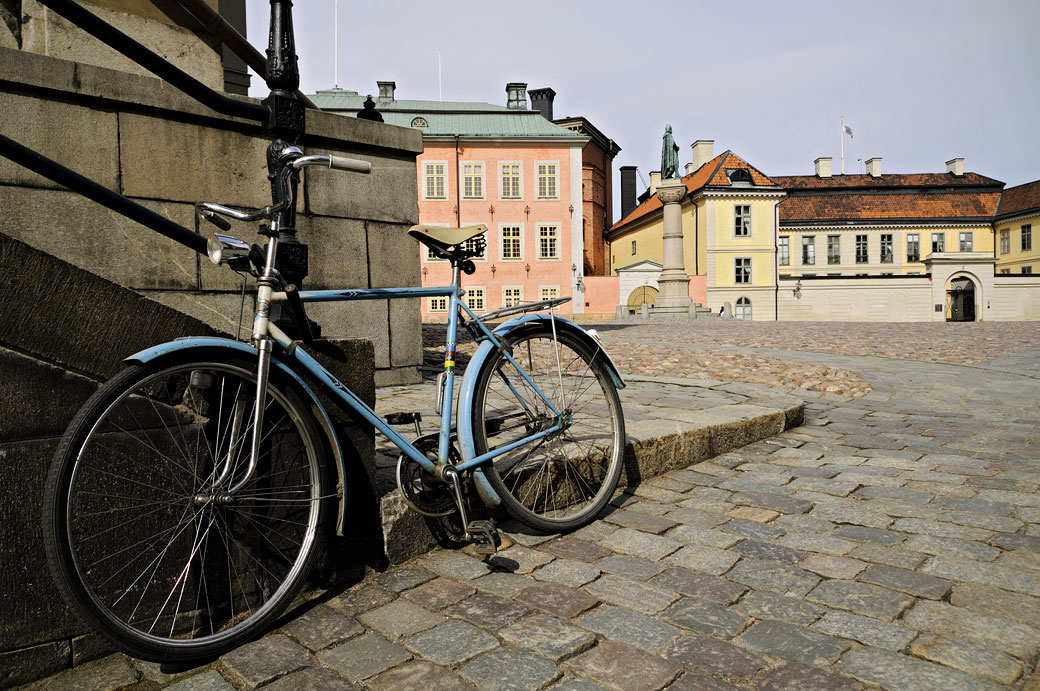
(140,535)
(564,481)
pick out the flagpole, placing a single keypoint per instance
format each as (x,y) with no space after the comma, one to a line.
(335,44)
(841,133)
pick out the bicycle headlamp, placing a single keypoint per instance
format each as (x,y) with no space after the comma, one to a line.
(226,249)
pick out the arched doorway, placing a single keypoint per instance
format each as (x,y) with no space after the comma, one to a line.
(743,309)
(643,295)
(960,300)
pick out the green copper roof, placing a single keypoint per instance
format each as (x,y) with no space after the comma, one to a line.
(449,118)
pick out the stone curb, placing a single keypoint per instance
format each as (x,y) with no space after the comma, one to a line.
(661,437)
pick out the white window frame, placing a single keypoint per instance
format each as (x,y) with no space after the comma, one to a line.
(741,221)
(519,297)
(502,227)
(558,238)
(864,257)
(437,299)
(554,177)
(966,235)
(502,179)
(633,247)
(427,176)
(784,250)
(548,292)
(742,277)
(479,176)
(1005,241)
(888,240)
(913,240)
(1026,241)
(836,257)
(938,242)
(742,310)
(472,294)
(809,243)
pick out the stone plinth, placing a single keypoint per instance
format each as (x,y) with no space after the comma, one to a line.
(674,282)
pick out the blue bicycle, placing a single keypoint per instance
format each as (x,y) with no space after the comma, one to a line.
(192,493)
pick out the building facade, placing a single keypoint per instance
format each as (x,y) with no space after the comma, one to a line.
(541,187)
(1017,215)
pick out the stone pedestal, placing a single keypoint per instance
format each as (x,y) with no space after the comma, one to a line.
(674,282)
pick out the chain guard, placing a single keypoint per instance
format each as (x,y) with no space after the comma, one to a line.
(424,493)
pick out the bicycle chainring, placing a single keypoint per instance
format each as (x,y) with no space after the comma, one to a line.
(423,492)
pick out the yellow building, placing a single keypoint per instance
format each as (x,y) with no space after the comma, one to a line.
(882,225)
(729,237)
(1019,210)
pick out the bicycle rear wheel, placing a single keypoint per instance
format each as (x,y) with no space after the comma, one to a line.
(142,536)
(564,480)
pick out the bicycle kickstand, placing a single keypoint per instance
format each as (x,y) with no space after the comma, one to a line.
(482,533)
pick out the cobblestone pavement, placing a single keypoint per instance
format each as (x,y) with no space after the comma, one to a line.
(891,541)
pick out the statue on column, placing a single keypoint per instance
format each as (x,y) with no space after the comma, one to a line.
(669,155)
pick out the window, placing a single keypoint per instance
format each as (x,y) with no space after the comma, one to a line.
(436,180)
(966,241)
(509,175)
(475,299)
(938,242)
(546,180)
(784,251)
(887,255)
(512,296)
(861,249)
(913,247)
(1005,271)
(633,247)
(472,180)
(512,243)
(439,304)
(472,244)
(548,292)
(742,220)
(1027,269)
(1005,241)
(834,249)
(548,242)
(1027,238)
(742,270)
(808,249)
(743,309)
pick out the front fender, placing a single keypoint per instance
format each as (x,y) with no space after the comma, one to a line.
(324,422)
(464,414)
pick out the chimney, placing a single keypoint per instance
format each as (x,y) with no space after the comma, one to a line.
(690,168)
(386,91)
(655,181)
(874,167)
(702,152)
(955,166)
(516,95)
(628,189)
(823,167)
(542,101)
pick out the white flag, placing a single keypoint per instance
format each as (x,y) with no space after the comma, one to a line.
(847,130)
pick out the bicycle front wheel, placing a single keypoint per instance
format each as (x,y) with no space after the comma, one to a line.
(562,481)
(158,533)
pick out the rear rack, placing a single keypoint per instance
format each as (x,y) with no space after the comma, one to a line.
(525,307)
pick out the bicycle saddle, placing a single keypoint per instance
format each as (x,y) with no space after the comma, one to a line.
(441,238)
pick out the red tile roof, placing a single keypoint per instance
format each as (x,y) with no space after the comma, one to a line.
(710,174)
(924,196)
(1020,199)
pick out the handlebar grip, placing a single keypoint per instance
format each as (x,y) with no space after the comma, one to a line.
(351,164)
(216,220)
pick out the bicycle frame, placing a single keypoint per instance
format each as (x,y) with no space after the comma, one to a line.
(454,293)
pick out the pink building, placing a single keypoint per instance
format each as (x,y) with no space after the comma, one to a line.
(509,168)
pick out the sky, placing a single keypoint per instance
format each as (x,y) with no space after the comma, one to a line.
(919,82)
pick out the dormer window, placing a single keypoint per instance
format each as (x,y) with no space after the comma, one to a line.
(419,122)
(739,176)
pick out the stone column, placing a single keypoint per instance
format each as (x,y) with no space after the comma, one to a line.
(674,282)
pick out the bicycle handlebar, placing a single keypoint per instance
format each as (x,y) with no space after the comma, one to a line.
(212,212)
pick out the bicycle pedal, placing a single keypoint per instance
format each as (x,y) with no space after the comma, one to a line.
(485,537)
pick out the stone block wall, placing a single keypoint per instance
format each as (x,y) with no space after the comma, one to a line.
(146,140)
